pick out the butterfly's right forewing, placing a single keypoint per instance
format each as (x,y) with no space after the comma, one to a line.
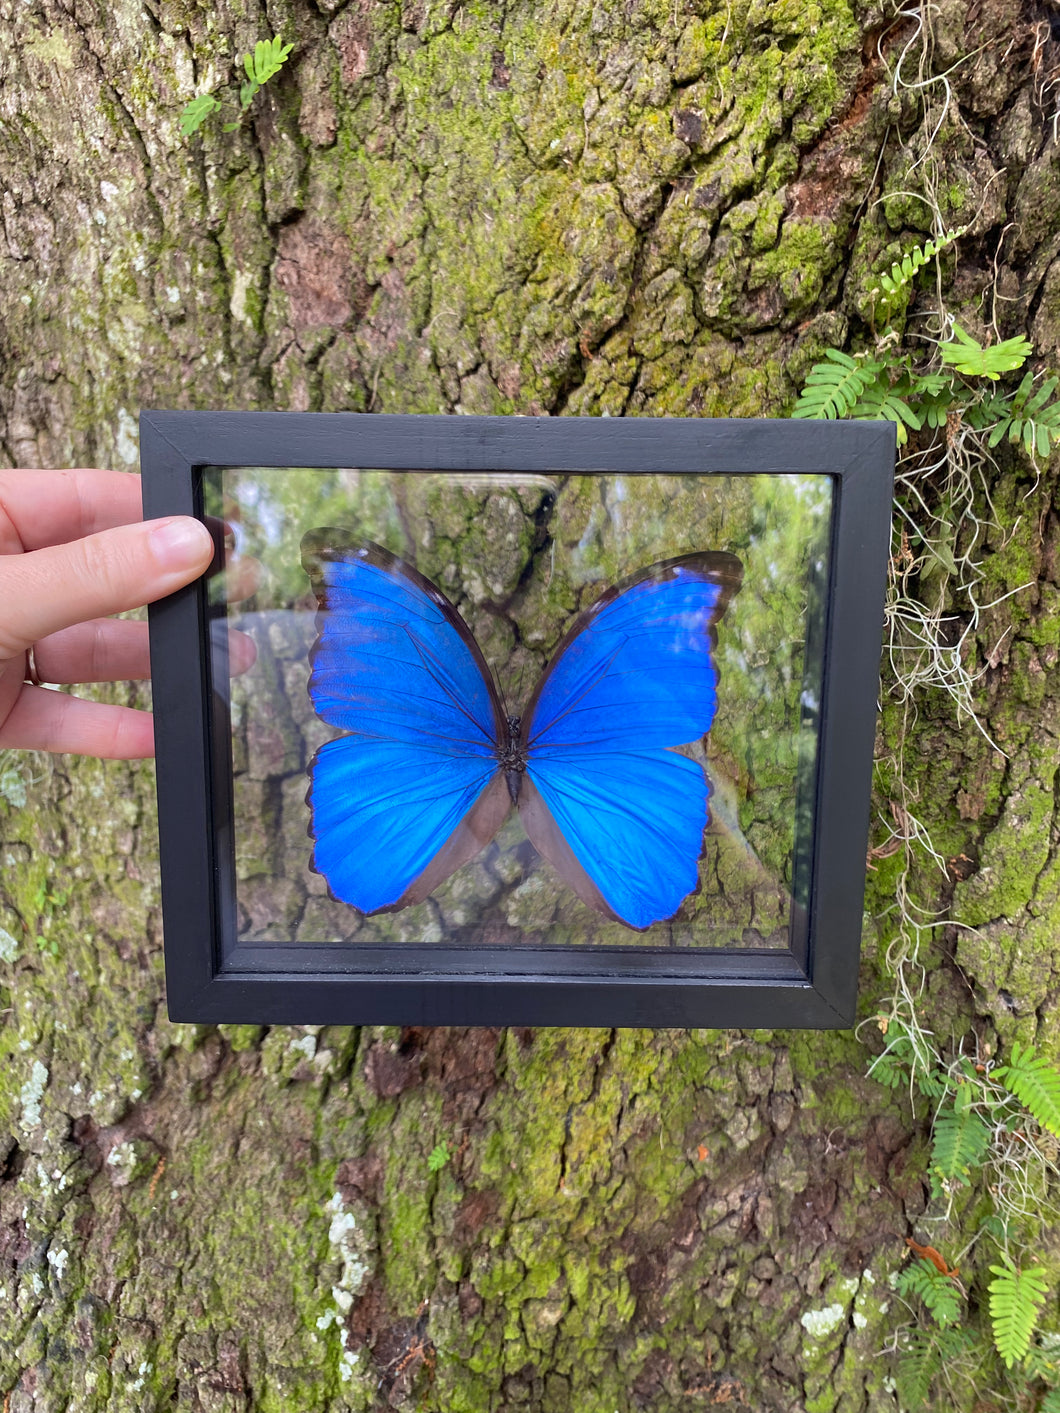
(411,792)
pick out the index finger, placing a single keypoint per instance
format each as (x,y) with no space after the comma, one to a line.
(41,508)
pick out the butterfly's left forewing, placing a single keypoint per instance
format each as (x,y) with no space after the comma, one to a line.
(619,814)
(414,789)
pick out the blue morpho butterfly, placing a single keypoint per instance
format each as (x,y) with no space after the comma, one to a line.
(433,763)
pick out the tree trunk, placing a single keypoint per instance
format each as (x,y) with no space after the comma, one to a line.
(655,208)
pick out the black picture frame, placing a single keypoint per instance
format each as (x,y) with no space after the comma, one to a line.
(212,978)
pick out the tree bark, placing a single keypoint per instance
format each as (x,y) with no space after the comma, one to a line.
(562,207)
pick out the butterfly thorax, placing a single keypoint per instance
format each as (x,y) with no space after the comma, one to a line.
(511,754)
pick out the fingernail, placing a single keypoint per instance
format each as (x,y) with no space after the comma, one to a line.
(180,543)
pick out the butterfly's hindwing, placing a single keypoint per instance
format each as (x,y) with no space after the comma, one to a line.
(383,811)
(634,823)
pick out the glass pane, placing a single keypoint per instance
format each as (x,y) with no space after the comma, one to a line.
(520,557)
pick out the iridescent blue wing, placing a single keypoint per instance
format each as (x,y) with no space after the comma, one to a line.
(618,814)
(414,789)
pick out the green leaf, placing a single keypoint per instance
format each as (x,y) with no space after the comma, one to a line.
(893,288)
(1019,397)
(935,408)
(269,57)
(1008,417)
(196,112)
(923,1357)
(969,356)
(1015,1300)
(1035,1083)
(917,1368)
(895,409)
(1041,1362)
(438,1157)
(833,388)
(944,554)
(938,1292)
(1042,396)
(959,1139)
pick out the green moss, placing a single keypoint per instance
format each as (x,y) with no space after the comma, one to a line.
(807,254)
(241,1037)
(1013,855)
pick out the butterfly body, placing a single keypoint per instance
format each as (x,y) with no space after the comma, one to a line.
(432,763)
(512,757)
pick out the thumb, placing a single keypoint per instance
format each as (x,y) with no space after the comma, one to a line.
(106,573)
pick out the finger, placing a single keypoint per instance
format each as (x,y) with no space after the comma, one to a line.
(39,508)
(42,720)
(242,577)
(115,650)
(107,573)
(242,652)
(102,650)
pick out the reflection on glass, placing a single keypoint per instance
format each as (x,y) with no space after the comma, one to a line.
(520,557)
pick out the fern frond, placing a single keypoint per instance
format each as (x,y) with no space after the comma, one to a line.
(1051,1402)
(1040,398)
(1015,1298)
(987,411)
(1035,1083)
(195,113)
(1030,420)
(970,357)
(933,385)
(932,1084)
(909,1053)
(268,59)
(438,1157)
(938,1292)
(833,388)
(959,1140)
(935,405)
(925,1353)
(880,403)
(917,1369)
(1040,1362)
(888,1069)
(893,287)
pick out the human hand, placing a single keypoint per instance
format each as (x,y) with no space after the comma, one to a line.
(72,550)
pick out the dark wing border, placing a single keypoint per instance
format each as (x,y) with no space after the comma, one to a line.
(334,545)
(719,566)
